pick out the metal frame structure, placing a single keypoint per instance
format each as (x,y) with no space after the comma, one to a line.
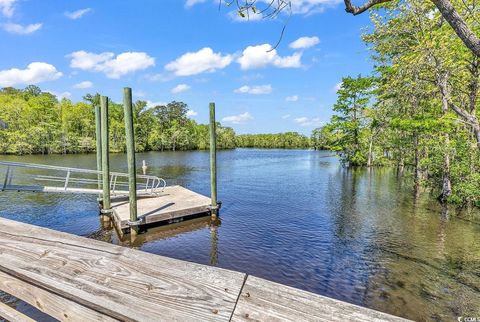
(75,180)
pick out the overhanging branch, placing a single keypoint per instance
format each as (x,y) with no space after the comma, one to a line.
(356,10)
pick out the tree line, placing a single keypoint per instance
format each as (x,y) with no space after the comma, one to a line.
(37,122)
(419,109)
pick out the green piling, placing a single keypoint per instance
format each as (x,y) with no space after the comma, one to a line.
(105,156)
(98,136)
(213,161)
(132,171)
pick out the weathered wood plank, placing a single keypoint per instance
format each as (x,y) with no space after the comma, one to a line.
(262,300)
(122,283)
(49,303)
(13,315)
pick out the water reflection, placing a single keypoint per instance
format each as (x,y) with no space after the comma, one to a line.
(299,218)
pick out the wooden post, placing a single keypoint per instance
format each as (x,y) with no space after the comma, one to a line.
(213,162)
(98,136)
(132,170)
(105,156)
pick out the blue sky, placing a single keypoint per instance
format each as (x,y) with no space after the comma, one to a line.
(188,50)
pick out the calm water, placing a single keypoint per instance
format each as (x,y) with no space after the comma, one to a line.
(298,218)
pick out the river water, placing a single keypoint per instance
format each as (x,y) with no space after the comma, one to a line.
(297,217)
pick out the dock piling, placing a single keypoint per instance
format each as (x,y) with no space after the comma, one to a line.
(98,136)
(132,171)
(105,157)
(213,162)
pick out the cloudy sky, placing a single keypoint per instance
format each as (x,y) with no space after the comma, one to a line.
(188,50)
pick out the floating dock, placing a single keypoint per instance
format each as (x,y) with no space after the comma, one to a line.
(74,278)
(156,202)
(171,205)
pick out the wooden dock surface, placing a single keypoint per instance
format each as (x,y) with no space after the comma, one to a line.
(173,203)
(73,278)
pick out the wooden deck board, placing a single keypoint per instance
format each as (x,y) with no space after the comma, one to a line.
(54,305)
(262,300)
(13,315)
(174,202)
(119,282)
(77,279)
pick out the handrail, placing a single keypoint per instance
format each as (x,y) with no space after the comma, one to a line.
(151,185)
(59,168)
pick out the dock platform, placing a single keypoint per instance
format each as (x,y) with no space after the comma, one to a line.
(74,278)
(171,205)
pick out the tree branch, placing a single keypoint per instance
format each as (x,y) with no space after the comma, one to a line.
(459,26)
(356,10)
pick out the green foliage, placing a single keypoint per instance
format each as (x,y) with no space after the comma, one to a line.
(288,140)
(421,110)
(39,123)
(350,131)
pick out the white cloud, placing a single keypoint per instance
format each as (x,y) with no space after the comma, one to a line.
(74,15)
(7,7)
(293,98)
(286,116)
(60,96)
(191,113)
(299,7)
(180,88)
(85,84)
(111,66)
(87,61)
(305,121)
(151,104)
(261,89)
(237,119)
(191,3)
(304,42)
(193,63)
(35,73)
(263,56)
(21,29)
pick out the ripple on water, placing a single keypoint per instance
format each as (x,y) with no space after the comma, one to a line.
(298,218)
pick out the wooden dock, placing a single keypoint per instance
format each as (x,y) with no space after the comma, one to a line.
(73,278)
(171,205)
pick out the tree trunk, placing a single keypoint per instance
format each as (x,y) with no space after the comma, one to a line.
(474,69)
(446,183)
(417,173)
(370,146)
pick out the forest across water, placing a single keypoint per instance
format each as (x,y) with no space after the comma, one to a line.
(438,152)
(37,122)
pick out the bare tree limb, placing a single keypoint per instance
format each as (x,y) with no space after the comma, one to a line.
(468,37)
(463,31)
(356,10)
